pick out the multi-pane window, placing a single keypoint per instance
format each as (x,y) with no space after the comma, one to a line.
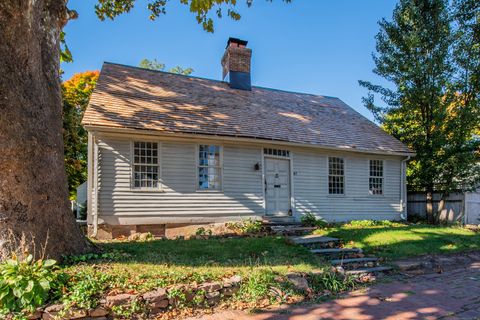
(336,175)
(145,165)
(276,152)
(376,177)
(209,167)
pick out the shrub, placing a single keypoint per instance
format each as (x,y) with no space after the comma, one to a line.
(333,282)
(246,226)
(260,284)
(203,232)
(371,223)
(25,284)
(310,220)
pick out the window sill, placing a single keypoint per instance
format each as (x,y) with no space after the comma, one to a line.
(209,191)
(147,190)
(336,195)
(376,195)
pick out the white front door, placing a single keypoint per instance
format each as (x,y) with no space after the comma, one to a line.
(277,186)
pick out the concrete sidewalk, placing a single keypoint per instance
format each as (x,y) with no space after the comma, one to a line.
(450,295)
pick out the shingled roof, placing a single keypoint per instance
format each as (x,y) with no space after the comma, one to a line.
(135,98)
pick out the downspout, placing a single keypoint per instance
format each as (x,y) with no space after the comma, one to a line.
(95,189)
(403,188)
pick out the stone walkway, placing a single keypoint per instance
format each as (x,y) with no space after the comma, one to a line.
(345,260)
(451,295)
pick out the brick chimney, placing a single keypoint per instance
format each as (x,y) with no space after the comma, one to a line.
(236,64)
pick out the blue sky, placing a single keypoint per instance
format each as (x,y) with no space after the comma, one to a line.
(314,46)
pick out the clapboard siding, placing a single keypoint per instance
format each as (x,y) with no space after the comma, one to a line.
(311,187)
(178,197)
(178,200)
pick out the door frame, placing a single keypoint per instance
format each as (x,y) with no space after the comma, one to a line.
(292,198)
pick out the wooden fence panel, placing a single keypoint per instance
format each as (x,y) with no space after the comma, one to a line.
(454,207)
(472,208)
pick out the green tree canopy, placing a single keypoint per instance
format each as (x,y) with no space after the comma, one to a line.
(155,65)
(429,54)
(201,8)
(76,93)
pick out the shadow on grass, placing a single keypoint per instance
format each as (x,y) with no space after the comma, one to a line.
(400,242)
(234,252)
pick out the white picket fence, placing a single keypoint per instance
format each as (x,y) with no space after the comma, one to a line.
(461,207)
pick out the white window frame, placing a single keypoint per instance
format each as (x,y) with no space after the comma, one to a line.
(382,178)
(133,164)
(276,153)
(197,166)
(336,175)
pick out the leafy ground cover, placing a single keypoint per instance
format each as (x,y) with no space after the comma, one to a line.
(138,267)
(393,240)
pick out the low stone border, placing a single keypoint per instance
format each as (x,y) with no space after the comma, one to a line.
(156,301)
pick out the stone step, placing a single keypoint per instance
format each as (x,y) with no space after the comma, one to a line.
(368,270)
(353,260)
(293,227)
(312,239)
(280,221)
(331,251)
(291,230)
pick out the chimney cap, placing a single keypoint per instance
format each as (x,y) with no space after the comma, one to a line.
(237,41)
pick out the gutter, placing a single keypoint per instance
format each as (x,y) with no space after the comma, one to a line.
(189,136)
(95,189)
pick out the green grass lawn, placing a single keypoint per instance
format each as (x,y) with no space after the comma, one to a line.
(146,265)
(396,240)
(143,266)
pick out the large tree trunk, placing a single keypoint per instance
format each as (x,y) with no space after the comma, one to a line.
(33,185)
(430,215)
(442,205)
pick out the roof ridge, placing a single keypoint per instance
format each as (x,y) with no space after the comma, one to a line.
(123,98)
(220,81)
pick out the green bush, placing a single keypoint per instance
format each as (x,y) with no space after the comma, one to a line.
(26,284)
(203,232)
(260,284)
(310,220)
(246,226)
(370,223)
(331,281)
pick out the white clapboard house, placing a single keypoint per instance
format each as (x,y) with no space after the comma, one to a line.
(169,150)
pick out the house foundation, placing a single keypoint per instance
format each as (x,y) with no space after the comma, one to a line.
(168,231)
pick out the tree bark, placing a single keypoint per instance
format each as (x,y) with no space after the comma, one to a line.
(33,185)
(441,206)
(429,207)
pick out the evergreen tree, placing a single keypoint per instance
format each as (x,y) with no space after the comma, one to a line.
(426,107)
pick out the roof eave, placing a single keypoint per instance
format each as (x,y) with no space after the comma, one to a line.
(107,129)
